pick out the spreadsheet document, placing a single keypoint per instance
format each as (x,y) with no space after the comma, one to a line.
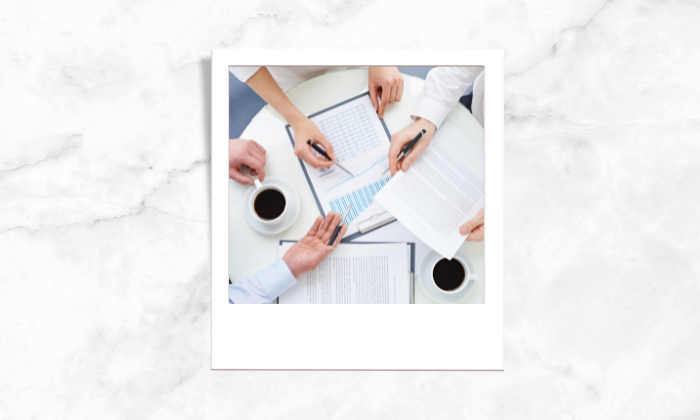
(361,144)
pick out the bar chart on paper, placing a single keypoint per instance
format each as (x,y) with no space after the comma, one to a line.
(361,143)
(360,198)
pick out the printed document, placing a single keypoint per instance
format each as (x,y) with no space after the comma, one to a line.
(361,144)
(355,273)
(443,189)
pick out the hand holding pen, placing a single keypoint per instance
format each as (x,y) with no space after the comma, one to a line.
(408,144)
(305,129)
(340,225)
(324,154)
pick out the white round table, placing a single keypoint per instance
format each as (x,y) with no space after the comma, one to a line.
(250,251)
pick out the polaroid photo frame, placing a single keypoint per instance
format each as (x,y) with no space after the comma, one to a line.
(358,337)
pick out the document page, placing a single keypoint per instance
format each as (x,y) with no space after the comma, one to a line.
(361,144)
(443,189)
(355,273)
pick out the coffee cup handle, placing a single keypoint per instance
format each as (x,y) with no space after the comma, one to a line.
(257,183)
(473,276)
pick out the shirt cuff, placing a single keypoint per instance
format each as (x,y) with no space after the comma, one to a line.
(430,109)
(276,279)
(243,73)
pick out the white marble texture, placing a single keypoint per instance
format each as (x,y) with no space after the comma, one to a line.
(104,209)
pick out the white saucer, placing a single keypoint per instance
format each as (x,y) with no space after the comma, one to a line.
(292,202)
(425,278)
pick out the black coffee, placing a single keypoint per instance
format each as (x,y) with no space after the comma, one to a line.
(269,204)
(448,274)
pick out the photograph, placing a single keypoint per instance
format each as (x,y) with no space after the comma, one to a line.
(350,210)
(356,185)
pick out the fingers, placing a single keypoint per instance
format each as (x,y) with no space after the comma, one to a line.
(330,248)
(257,162)
(477,235)
(397,143)
(399,91)
(340,235)
(331,227)
(324,226)
(239,177)
(472,224)
(416,151)
(315,226)
(313,160)
(261,173)
(258,147)
(327,146)
(394,93)
(373,96)
(466,228)
(408,159)
(304,152)
(386,97)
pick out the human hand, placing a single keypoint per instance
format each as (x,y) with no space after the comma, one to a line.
(305,129)
(249,153)
(400,139)
(474,227)
(313,248)
(385,83)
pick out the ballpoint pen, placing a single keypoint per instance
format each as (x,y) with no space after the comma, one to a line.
(323,152)
(408,148)
(337,229)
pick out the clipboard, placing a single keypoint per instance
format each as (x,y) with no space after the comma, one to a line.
(412,265)
(377,219)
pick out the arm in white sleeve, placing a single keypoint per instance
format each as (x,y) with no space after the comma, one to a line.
(243,73)
(443,88)
(264,287)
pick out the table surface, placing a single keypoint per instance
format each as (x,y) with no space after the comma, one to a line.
(250,251)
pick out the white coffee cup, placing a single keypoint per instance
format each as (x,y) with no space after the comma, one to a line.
(260,189)
(467,276)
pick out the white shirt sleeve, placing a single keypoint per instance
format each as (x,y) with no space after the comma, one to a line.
(243,73)
(443,88)
(264,287)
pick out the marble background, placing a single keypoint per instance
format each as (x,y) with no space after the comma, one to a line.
(104,209)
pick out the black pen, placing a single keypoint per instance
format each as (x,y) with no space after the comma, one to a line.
(408,147)
(337,229)
(323,152)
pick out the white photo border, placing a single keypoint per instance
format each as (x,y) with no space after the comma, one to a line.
(358,337)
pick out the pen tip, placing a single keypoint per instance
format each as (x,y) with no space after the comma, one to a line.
(308,141)
(424,131)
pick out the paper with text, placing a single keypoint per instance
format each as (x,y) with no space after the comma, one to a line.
(355,273)
(443,189)
(361,144)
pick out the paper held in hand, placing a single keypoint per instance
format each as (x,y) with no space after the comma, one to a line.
(443,189)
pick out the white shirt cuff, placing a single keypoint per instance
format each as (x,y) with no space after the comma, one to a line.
(430,109)
(243,73)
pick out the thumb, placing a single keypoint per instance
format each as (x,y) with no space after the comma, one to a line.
(329,249)
(467,228)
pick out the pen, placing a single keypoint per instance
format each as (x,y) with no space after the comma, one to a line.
(337,229)
(323,152)
(408,147)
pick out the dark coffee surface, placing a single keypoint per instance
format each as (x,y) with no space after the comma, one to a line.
(448,274)
(269,204)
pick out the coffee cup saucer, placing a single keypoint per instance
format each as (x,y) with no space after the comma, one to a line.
(289,218)
(426,283)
